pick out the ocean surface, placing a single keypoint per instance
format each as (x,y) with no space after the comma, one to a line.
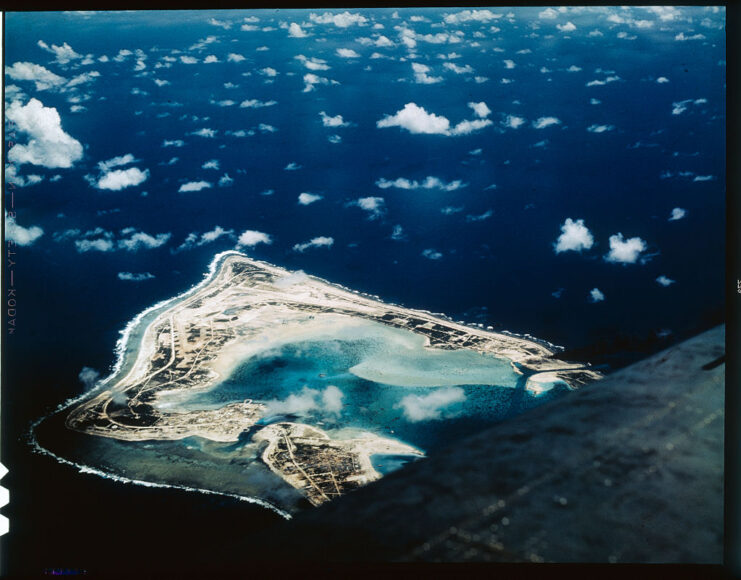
(476,242)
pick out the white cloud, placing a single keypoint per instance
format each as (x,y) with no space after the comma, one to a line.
(292,166)
(513,122)
(88,377)
(677,214)
(664,281)
(83,78)
(421,76)
(509,64)
(310,80)
(343,20)
(225,180)
(704,178)
(544,122)
(416,120)
(233,57)
(471,16)
(250,238)
(211,164)
(205,132)
(459,70)
(347,53)
(295,31)
(568,27)
(599,83)
(175,143)
(41,76)
(135,277)
(548,14)
(600,128)
(220,23)
(308,198)
(63,54)
(139,240)
(481,217)
(185,59)
(681,36)
(595,295)
(116,162)
(307,401)
(48,145)
(397,233)
(119,179)
(255,104)
(297,277)
(480,109)
(429,182)
(428,407)
(268,72)
(194,186)
(335,121)
(431,254)
(573,68)
(318,242)
(662,80)
(193,240)
(575,236)
(20,235)
(624,251)
(375,206)
(313,63)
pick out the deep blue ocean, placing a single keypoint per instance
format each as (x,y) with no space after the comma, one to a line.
(488,258)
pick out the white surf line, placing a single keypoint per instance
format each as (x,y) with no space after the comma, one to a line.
(33,442)
(120,351)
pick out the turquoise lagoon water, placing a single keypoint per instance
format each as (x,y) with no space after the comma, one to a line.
(389,382)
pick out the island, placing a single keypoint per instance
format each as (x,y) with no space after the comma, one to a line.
(246,306)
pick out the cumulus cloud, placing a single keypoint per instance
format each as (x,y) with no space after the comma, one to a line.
(205,132)
(20,235)
(664,281)
(250,238)
(681,106)
(234,57)
(375,206)
(88,377)
(336,121)
(347,53)
(307,401)
(48,145)
(313,63)
(174,143)
(575,237)
(457,69)
(624,251)
(135,276)
(481,109)
(292,166)
(63,54)
(116,162)
(308,198)
(513,122)
(662,80)
(568,27)
(429,182)
(318,242)
(194,186)
(194,240)
(543,122)
(599,83)
(595,295)
(256,104)
(295,31)
(677,214)
(600,128)
(432,406)
(43,78)
(431,254)
(119,179)
(211,164)
(481,217)
(421,76)
(416,120)
(471,16)
(548,14)
(311,80)
(141,240)
(343,20)
(397,233)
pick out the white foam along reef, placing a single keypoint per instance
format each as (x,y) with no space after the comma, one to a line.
(120,351)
